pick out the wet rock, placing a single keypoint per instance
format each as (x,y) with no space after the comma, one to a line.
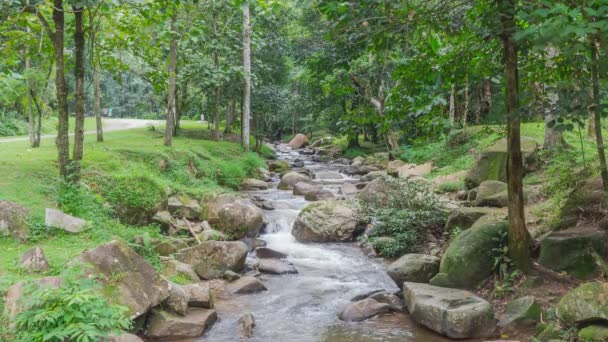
(366,295)
(199,295)
(571,250)
(263,174)
(412,170)
(246,284)
(491,193)
(321,195)
(586,303)
(326,221)
(388,298)
(13,220)
(165,220)
(328,175)
(268,253)
(254,243)
(343,161)
(278,166)
(299,141)
(290,179)
(122,337)
(303,188)
(139,288)
(521,313)
(14,301)
(177,302)
(211,259)
(275,266)
(184,206)
(417,268)
(34,260)
(363,309)
(173,267)
(231,276)
(463,218)
(453,313)
(465,263)
(348,189)
(57,219)
(246,325)
(163,325)
(238,217)
(253,184)
(298,163)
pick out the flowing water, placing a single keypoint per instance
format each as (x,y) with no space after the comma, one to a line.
(304,306)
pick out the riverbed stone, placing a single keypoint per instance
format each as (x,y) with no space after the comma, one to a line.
(211,259)
(278,166)
(290,179)
(57,219)
(268,253)
(199,295)
(13,220)
(395,303)
(586,303)
(163,325)
(122,337)
(464,217)
(139,288)
(520,313)
(348,189)
(466,262)
(363,309)
(303,188)
(417,268)
(299,141)
(177,302)
(412,170)
(238,217)
(250,184)
(184,206)
(246,324)
(275,266)
(327,221)
(375,191)
(489,194)
(246,284)
(373,175)
(34,260)
(453,313)
(570,250)
(321,195)
(231,276)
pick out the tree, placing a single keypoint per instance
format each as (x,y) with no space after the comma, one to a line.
(79,71)
(247,77)
(170,119)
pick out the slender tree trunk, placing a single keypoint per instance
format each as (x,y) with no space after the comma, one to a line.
(465,115)
(595,109)
(247,71)
(39,128)
(478,97)
(79,90)
(218,87)
(230,113)
(170,120)
(519,238)
(453,104)
(30,111)
(97,104)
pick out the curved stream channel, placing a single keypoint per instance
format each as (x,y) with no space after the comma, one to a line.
(304,306)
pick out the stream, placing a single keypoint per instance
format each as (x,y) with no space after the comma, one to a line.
(304,306)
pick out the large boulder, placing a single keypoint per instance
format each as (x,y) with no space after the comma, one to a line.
(290,179)
(586,203)
(245,285)
(363,309)
(393,167)
(15,299)
(326,221)
(275,266)
(299,141)
(321,195)
(348,189)
(466,262)
(58,219)
(177,302)
(199,295)
(279,166)
(571,251)
(587,303)
(492,162)
(491,193)
(211,259)
(303,188)
(464,217)
(375,191)
(417,268)
(164,326)
(521,313)
(34,260)
(253,184)
(238,217)
(184,206)
(139,287)
(13,220)
(453,313)
(412,170)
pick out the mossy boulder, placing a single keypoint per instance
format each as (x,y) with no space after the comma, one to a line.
(571,251)
(278,166)
(585,304)
(290,179)
(13,220)
(234,216)
(585,203)
(135,198)
(184,206)
(487,190)
(594,333)
(417,268)
(492,162)
(467,260)
(520,313)
(464,217)
(327,221)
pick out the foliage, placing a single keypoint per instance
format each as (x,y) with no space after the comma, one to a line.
(146,250)
(134,191)
(506,275)
(75,311)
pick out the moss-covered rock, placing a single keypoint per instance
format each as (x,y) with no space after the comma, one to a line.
(586,303)
(13,220)
(586,203)
(236,217)
(520,313)
(290,179)
(467,261)
(278,166)
(492,161)
(594,333)
(570,250)
(464,217)
(486,190)
(135,198)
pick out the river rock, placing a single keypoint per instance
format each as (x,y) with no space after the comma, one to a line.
(275,266)
(570,250)
(328,175)
(163,325)
(231,276)
(246,284)
(165,220)
(166,247)
(303,188)
(15,299)
(13,220)
(413,170)
(366,295)
(457,314)
(299,141)
(465,263)
(373,175)
(263,174)
(253,184)
(278,166)
(211,259)
(57,219)
(491,193)
(290,179)
(363,309)
(177,302)
(253,243)
(212,235)
(268,253)
(463,218)
(393,167)
(348,189)
(174,267)
(199,295)
(586,303)
(375,191)
(388,298)
(238,217)
(321,195)
(139,288)
(521,313)
(594,333)
(34,260)
(184,206)
(417,268)
(246,325)
(326,221)
(360,169)
(122,337)
(491,163)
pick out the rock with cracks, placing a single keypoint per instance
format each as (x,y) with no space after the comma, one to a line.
(326,221)
(211,259)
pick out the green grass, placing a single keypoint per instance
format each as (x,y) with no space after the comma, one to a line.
(49,126)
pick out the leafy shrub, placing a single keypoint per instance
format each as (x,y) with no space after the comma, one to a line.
(11,125)
(145,248)
(134,191)
(76,311)
(77,200)
(452,186)
(406,213)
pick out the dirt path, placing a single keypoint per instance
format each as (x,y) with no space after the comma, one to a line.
(109,125)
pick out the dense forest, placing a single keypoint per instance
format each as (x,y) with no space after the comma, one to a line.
(162,149)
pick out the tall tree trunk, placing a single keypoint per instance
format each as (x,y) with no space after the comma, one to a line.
(595,109)
(519,238)
(465,115)
(230,113)
(79,90)
(247,71)
(39,128)
(30,111)
(478,96)
(170,119)
(218,87)
(97,104)
(453,104)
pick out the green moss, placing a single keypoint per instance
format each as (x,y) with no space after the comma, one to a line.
(593,333)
